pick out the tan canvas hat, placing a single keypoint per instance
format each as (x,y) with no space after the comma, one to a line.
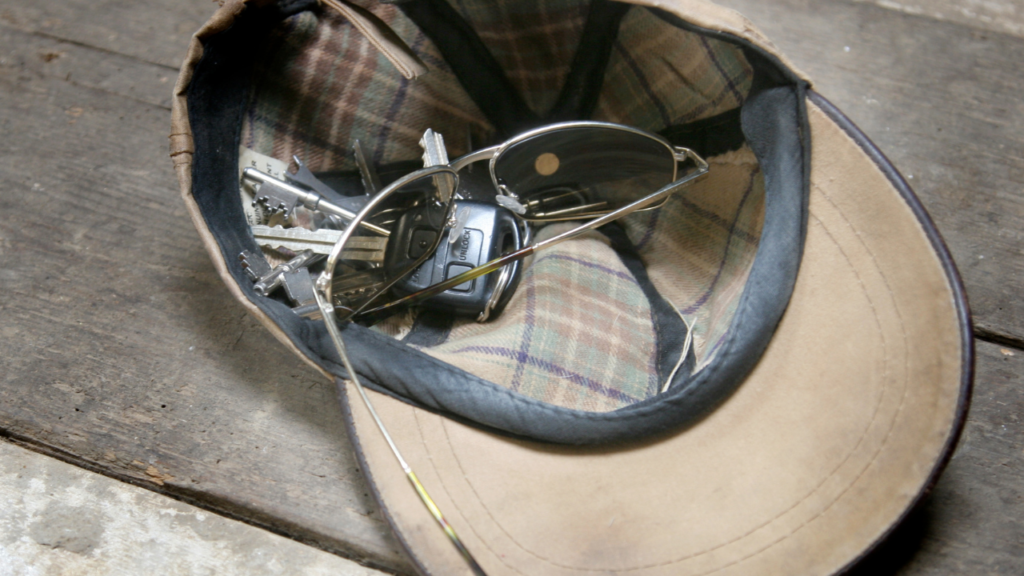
(829,357)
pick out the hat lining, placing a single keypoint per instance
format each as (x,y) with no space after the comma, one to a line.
(436,386)
(707,136)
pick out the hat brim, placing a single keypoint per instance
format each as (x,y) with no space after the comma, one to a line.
(842,426)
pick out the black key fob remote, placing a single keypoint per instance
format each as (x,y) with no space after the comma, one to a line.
(489,232)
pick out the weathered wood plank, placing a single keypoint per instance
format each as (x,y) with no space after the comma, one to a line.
(59,519)
(155,32)
(45,56)
(120,348)
(943,102)
(995,15)
(976,512)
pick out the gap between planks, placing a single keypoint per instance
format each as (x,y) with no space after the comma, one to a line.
(986,334)
(188,497)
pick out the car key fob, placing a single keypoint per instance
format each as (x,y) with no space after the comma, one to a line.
(487,232)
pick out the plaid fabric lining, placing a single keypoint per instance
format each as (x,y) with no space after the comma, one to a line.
(323,85)
(654,79)
(700,246)
(533,40)
(578,332)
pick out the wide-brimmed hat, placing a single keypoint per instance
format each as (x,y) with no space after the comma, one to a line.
(761,376)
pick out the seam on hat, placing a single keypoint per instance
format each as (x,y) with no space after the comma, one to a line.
(817,487)
(455,501)
(955,285)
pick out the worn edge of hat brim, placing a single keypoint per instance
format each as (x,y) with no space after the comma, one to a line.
(960,304)
(182,149)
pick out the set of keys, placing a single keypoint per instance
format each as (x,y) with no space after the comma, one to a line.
(479,232)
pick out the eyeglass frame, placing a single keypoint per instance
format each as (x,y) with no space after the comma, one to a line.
(493,154)
(649,202)
(323,291)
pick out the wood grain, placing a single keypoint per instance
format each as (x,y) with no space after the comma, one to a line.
(1005,16)
(154,32)
(122,76)
(121,349)
(976,513)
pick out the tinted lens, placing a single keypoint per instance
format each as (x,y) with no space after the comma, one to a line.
(416,212)
(579,171)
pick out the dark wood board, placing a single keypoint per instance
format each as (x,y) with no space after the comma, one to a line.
(123,352)
(943,101)
(120,348)
(977,510)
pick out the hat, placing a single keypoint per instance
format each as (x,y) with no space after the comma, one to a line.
(831,357)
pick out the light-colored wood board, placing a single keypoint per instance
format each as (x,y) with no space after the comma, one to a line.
(59,519)
(943,102)
(45,56)
(1006,16)
(121,349)
(156,32)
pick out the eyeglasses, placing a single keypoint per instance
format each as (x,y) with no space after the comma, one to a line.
(593,171)
(567,171)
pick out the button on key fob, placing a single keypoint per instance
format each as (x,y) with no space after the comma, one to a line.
(488,231)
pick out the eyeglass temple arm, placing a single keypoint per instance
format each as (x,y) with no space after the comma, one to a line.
(335,333)
(475,156)
(681,154)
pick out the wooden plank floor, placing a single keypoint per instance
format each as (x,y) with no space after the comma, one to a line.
(122,352)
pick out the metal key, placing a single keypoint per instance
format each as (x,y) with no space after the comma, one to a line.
(435,154)
(434,151)
(363,248)
(298,285)
(266,279)
(368,174)
(255,267)
(280,196)
(294,276)
(349,290)
(353,288)
(304,177)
